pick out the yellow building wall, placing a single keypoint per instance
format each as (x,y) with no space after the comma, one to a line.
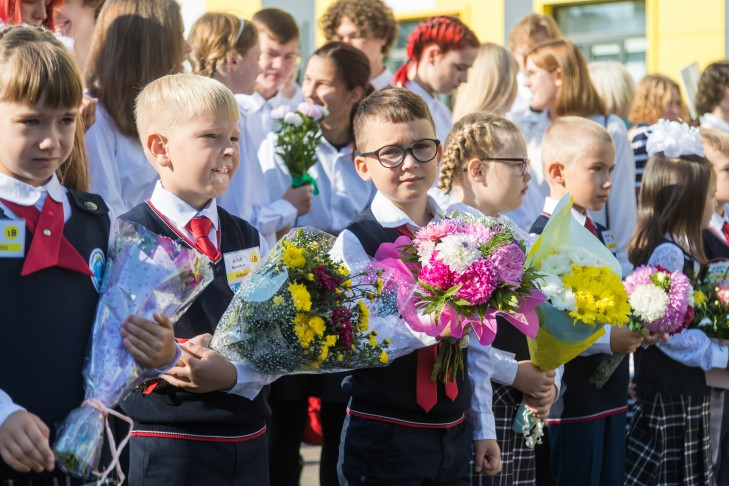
(679,32)
(245,8)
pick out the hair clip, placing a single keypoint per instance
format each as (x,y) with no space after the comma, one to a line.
(240,29)
(674,139)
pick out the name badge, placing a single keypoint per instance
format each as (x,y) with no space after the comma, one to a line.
(239,263)
(12,238)
(610,242)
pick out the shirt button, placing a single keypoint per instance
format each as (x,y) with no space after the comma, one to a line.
(47,232)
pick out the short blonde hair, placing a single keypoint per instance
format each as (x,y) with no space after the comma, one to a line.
(614,85)
(479,135)
(568,138)
(491,84)
(526,30)
(715,139)
(183,97)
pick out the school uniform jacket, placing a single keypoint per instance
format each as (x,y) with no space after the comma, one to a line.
(169,411)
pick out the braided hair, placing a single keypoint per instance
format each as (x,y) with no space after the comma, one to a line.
(479,135)
(446,32)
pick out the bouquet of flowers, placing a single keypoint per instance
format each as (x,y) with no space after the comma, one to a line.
(582,282)
(302,312)
(468,271)
(145,273)
(712,301)
(298,137)
(660,302)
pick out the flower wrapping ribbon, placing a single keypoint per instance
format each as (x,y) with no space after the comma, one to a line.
(303,180)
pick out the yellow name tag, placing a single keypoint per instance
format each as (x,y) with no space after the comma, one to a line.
(239,263)
(610,242)
(12,238)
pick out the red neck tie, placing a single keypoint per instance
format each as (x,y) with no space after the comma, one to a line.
(200,229)
(405,231)
(426,389)
(590,226)
(48,248)
(725,230)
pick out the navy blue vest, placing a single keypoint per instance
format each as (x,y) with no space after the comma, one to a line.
(389,392)
(171,409)
(656,373)
(714,247)
(46,321)
(581,398)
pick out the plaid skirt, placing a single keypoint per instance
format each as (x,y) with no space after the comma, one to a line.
(669,442)
(517,460)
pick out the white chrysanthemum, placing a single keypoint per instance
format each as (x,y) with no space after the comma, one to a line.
(705,322)
(583,258)
(690,295)
(293,119)
(649,302)
(425,251)
(458,252)
(556,264)
(550,285)
(565,300)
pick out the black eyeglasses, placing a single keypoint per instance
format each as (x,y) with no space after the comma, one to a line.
(391,156)
(523,162)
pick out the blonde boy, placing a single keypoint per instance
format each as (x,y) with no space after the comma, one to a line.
(716,151)
(422,442)
(196,427)
(578,157)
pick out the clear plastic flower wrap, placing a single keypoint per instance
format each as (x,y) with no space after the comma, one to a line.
(301,311)
(145,273)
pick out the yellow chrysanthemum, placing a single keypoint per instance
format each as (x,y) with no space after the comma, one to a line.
(599,295)
(383,357)
(310,277)
(293,257)
(364,316)
(323,354)
(699,298)
(331,340)
(300,296)
(278,300)
(340,357)
(317,326)
(373,340)
(343,270)
(378,285)
(302,330)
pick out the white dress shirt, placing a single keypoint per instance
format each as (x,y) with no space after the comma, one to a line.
(441,114)
(120,172)
(709,120)
(257,111)
(178,213)
(342,193)
(521,106)
(348,249)
(382,80)
(248,197)
(691,347)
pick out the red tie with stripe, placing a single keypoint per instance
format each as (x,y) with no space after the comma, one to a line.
(48,248)
(426,389)
(200,228)
(590,226)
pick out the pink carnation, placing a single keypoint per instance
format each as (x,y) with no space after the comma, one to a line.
(435,231)
(478,282)
(436,273)
(508,260)
(480,233)
(312,111)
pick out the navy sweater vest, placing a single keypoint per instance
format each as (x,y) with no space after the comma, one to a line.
(656,373)
(714,247)
(581,399)
(169,409)
(389,392)
(46,321)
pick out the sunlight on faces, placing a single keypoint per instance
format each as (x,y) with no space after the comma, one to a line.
(75,20)
(349,33)
(244,70)
(588,176)
(33,12)
(543,85)
(323,86)
(36,140)
(720,161)
(277,61)
(499,186)
(445,72)
(672,110)
(409,182)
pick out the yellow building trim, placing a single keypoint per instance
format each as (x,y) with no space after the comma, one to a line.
(245,9)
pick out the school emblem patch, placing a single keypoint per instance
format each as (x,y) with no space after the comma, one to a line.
(96,264)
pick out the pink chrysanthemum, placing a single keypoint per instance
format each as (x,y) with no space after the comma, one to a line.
(435,231)
(508,260)
(678,312)
(436,273)
(478,282)
(478,232)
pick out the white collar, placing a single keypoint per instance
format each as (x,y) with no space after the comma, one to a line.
(177,211)
(24,194)
(256,102)
(716,224)
(709,120)
(347,150)
(417,89)
(381,80)
(390,216)
(550,204)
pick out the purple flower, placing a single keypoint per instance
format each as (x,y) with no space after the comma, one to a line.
(508,260)
(279,112)
(478,282)
(312,111)
(480,233)
(326,280)
(341,320)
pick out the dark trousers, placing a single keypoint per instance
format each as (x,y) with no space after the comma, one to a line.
(589,453)
(157,461)
(382,453)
